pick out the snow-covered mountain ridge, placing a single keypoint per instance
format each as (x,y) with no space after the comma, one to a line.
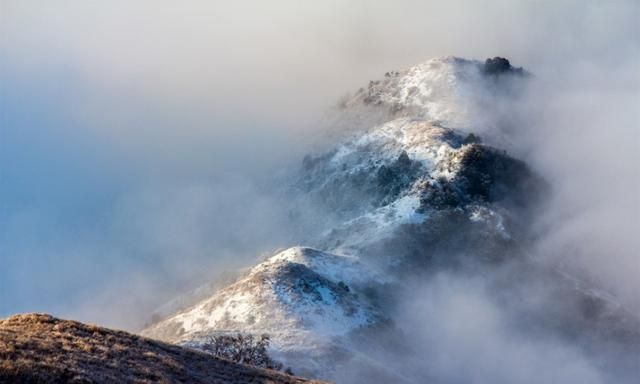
(414,192)
(378,180)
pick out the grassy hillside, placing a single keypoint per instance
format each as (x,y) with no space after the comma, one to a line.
(38,348)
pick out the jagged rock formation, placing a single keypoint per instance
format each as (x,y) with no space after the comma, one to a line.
(38,348)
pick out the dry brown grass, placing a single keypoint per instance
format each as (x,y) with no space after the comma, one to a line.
(38,348)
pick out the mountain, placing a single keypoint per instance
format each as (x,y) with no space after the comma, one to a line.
(303,298)
(409,190)
(38,348)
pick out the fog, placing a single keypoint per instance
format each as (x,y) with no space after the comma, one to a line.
(461,333)
(139,143)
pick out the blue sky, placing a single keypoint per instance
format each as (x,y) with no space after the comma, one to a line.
(54,188)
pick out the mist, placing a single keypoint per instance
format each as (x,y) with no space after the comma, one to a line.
(141,143)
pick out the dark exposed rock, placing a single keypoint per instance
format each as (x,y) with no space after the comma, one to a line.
(404,162)
(487,175)
(500,65)
(490,175)
(472,139)
(449,240)
(396,177)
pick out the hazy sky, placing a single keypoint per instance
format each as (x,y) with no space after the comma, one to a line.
(134,135)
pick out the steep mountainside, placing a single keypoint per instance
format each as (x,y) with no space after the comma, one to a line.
(305,299)
(409,190)
(38,348)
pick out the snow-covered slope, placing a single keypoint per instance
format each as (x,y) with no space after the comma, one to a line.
(414,191)
(450,91)
(440,90)
(303,298)
(298,288)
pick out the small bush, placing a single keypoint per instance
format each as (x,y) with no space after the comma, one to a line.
(243,349)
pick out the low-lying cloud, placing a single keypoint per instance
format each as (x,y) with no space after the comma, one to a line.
(140,141)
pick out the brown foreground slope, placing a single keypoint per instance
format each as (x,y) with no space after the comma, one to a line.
(38,348)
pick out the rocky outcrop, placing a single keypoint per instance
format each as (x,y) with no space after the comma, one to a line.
(499,66)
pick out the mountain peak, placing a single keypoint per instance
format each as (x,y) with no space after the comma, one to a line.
(451,91)
(302,287)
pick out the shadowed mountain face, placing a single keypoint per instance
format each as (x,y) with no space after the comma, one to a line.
(38,348)
(407,193)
